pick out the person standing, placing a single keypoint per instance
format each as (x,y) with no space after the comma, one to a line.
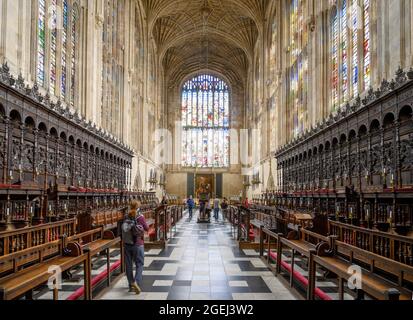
(216,208)
(133,231)
(246,203)
(208,209)
(224,208)
(191,204)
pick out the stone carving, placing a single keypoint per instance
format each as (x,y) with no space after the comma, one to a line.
(401,77)
(406,153)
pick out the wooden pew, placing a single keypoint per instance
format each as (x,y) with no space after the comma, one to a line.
(26,277)
(301,241)
(394,247)
(101,241)
(373,284)
(277,243)
(337,257)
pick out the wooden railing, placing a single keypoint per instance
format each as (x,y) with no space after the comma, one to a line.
(21,239)
(395,247)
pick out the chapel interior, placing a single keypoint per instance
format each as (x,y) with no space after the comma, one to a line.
(297,112)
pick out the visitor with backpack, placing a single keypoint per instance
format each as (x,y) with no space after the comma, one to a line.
(191,204)
(133,230)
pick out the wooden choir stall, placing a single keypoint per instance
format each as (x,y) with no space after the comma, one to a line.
(64,188)
(345,198)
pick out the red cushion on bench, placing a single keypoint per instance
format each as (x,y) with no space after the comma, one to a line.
(303,280)
(80,292)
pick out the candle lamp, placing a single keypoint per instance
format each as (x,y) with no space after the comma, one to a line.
(367,177)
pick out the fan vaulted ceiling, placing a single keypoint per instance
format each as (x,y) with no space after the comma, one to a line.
(193,35)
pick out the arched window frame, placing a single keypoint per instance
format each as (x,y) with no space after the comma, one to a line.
(206,123)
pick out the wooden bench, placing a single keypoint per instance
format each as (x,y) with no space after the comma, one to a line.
(338,257)
(33,267)
(301,241)
(102,241)
(372,283)
(276,256)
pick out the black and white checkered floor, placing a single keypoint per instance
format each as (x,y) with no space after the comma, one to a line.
(201,262)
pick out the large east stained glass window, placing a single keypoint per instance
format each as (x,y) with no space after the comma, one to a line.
(205,121)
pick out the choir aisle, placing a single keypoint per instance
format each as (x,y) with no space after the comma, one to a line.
(203,262)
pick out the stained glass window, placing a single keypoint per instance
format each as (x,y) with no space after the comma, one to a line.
(344,50)
(205,121)
(294,28)
(299,65)
(64,49)
(273,48)
(366,44)
(41,43)
(73,57)
(354,45)
(351,62)
(53,40)
(334,56)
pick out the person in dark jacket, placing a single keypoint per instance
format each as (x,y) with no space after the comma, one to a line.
(133,231)
(164,201)
(191,204)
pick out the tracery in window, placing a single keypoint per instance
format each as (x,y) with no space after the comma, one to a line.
(57,44)
(350,57)
(205,120)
